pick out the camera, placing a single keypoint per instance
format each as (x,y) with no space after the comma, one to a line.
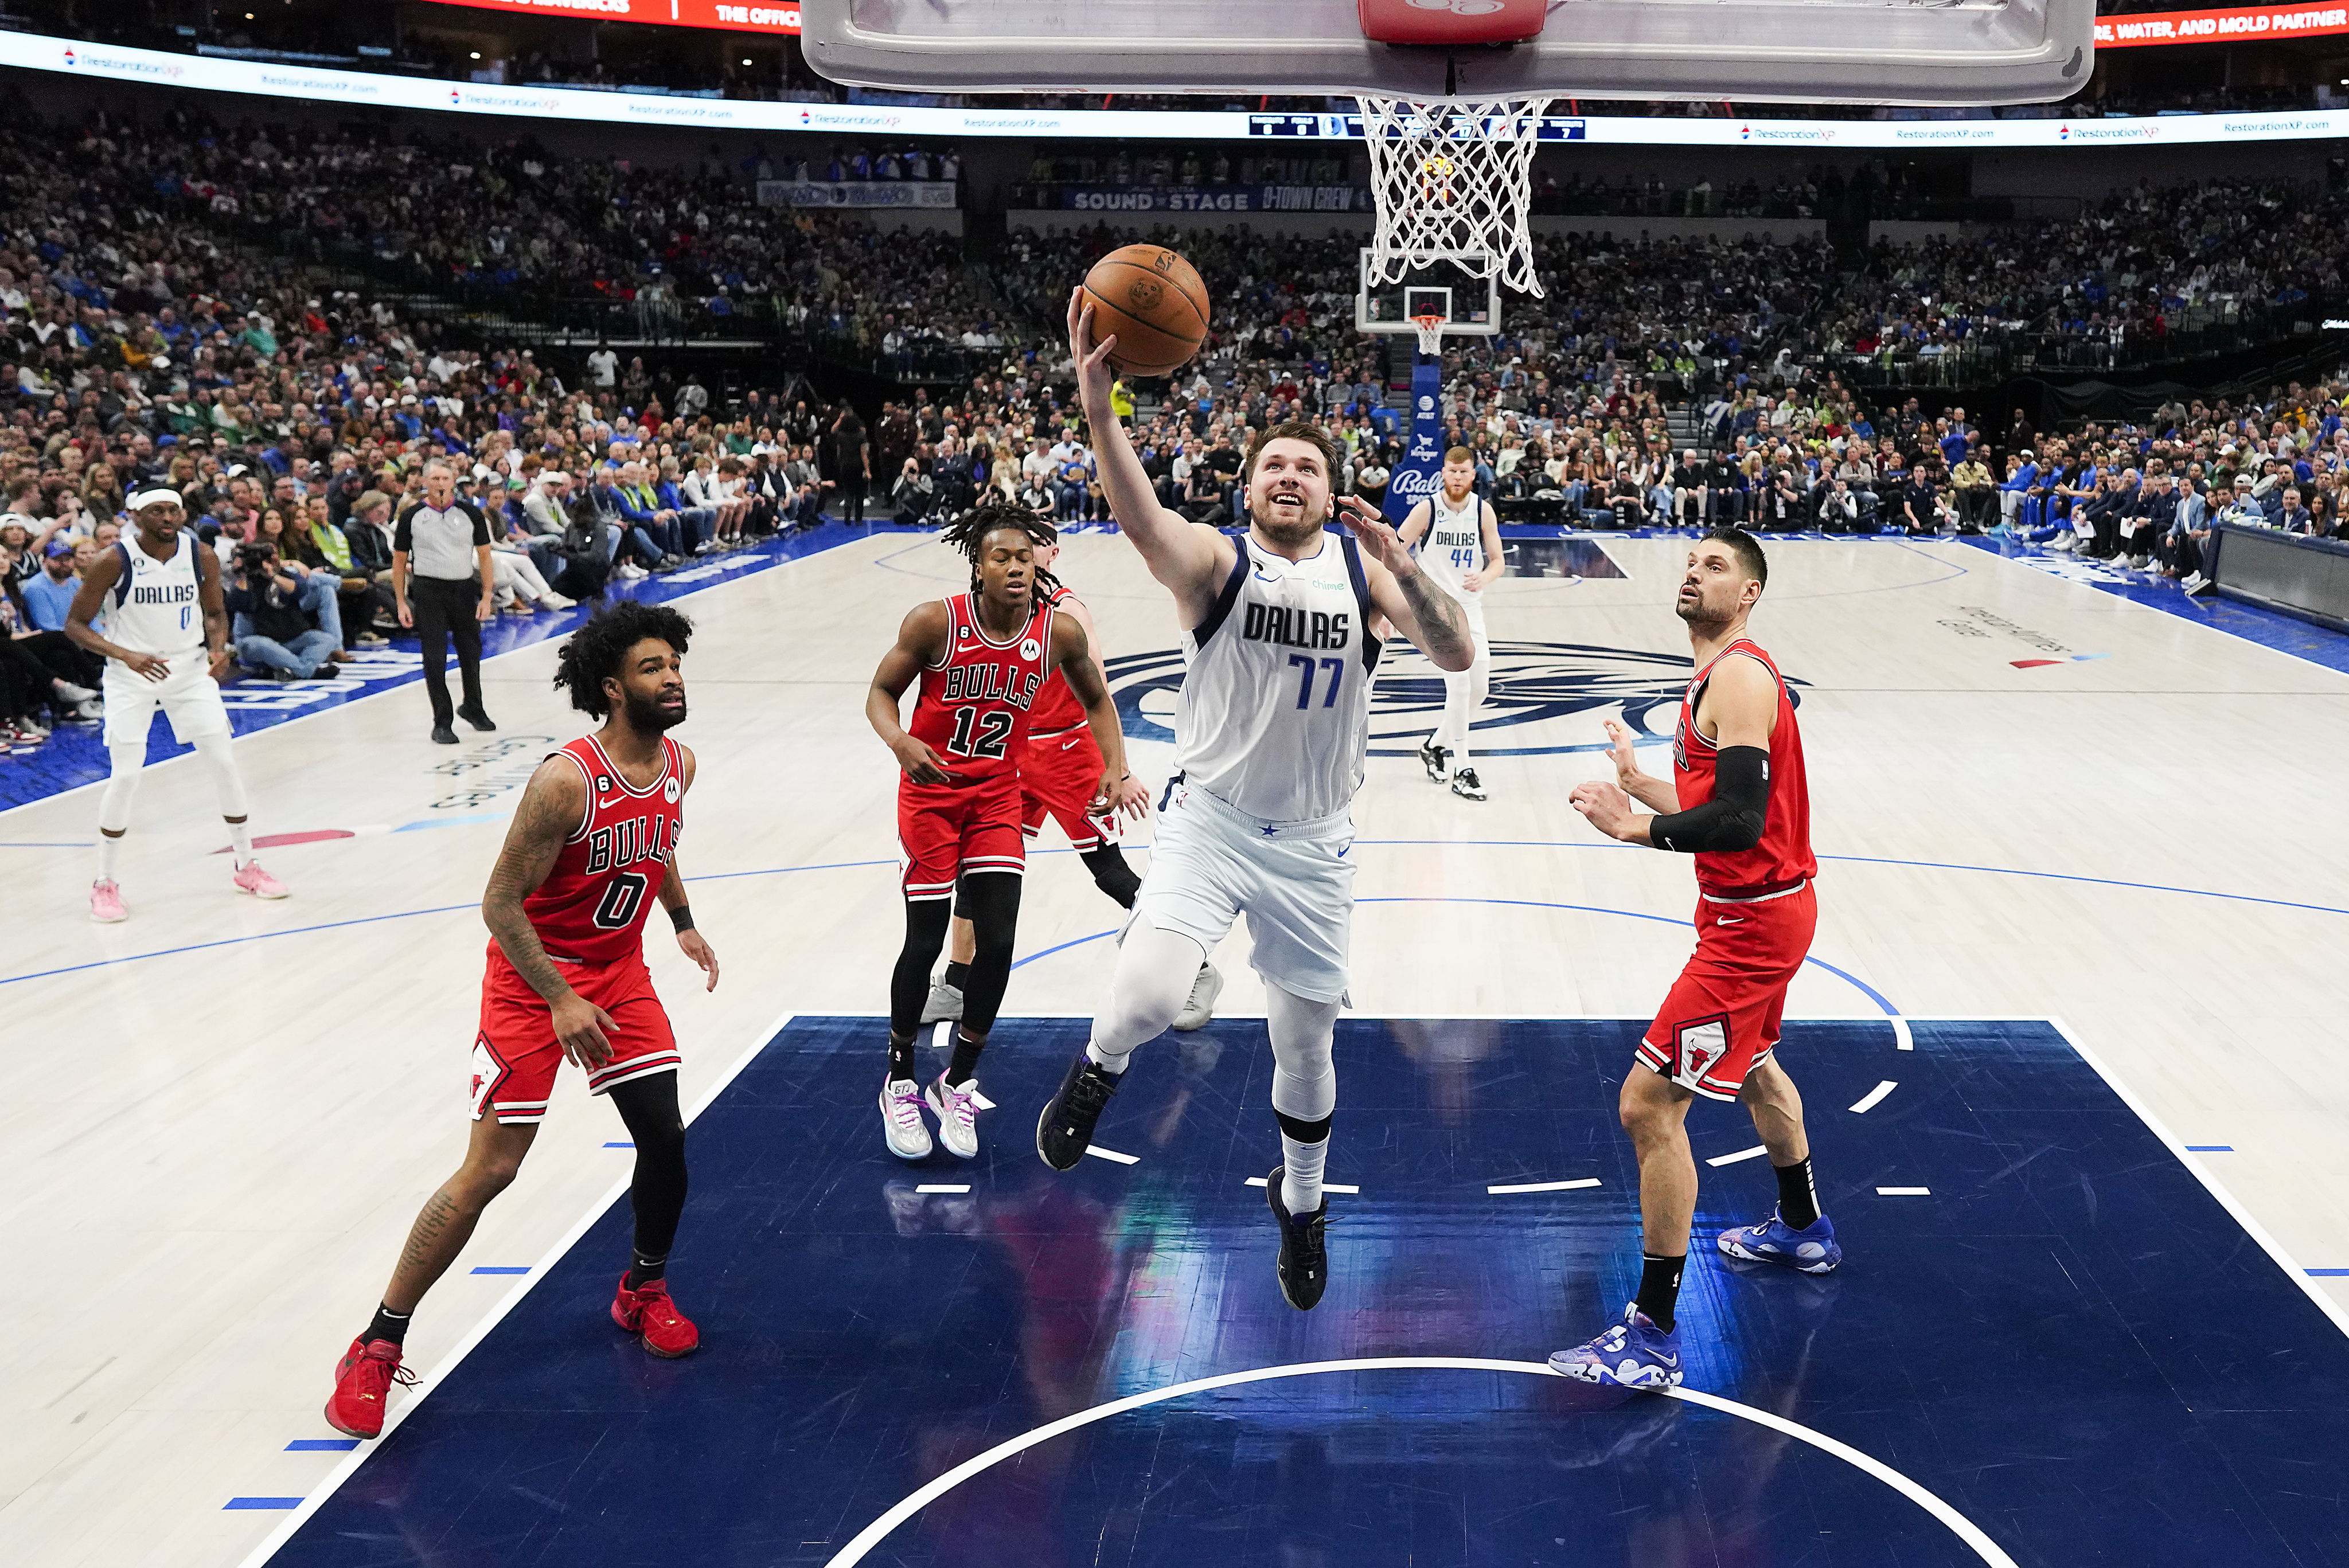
(254,557)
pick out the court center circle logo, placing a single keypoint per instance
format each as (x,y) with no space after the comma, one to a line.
(1546,698)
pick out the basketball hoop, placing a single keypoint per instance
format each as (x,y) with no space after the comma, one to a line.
(1454,181)
(1431,333)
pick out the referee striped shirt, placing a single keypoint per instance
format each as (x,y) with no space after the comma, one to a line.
(441,541)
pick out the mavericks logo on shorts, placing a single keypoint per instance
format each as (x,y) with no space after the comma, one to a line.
(1546,698)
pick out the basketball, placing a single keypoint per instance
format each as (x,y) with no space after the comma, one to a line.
(1152,302)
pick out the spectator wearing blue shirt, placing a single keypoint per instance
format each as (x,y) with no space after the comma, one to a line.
(2022,473)
(49,596)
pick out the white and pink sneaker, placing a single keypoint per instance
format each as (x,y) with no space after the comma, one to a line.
(251,879)
(105,904)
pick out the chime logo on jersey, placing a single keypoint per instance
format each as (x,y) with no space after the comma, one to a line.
(1546,697)
(626,842)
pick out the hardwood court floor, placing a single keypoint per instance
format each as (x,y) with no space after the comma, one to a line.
(226,1113)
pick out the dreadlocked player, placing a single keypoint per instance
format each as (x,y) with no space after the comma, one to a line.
(982,657)
(1059,764)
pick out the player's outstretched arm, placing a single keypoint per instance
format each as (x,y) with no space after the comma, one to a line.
(1414,525)
(672,894)
(921,641)
(1740,699)
(1073,656)
(1404,594)
(553,806)
(1190,558)
(1656,794)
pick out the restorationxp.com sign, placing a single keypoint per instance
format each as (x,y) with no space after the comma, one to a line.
(2236,25)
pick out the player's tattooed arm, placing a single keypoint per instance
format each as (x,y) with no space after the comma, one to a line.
(1404,594)
(921,643)
(1073,656)
(553,806)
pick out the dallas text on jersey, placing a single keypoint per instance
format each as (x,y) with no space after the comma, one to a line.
(1296,629)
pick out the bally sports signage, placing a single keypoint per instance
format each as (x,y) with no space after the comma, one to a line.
(2239,24)
(740,18)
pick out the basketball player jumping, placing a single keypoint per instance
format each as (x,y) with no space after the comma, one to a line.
(166,646)
(1462,551)
(1737,801)
(1060,766)
(595,833)
(983,658)
(1270,732)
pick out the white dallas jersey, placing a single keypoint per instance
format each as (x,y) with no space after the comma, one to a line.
(1453,544)
(155,606)
(1274,713)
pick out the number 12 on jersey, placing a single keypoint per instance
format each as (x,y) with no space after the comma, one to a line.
(993,727)
(1337,668)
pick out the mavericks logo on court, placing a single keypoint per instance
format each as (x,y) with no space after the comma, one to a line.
(1546,698)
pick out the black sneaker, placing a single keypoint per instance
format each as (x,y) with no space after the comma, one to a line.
(443,736)
(1065,1128)
(1304,1260)
(1433,757)
(476,717)
(1466,785)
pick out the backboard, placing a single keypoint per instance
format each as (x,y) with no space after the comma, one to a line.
(1969,52)
(1468,302)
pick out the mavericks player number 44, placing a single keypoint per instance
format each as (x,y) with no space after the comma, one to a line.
(1270,732)
(592,849)
(1738,801)
(1459,541)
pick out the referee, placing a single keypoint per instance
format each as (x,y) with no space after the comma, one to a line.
(440,561)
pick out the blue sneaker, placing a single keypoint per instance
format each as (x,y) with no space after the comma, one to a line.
(1634,1354)
(1774,1241)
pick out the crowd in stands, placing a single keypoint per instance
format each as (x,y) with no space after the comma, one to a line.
(295,420)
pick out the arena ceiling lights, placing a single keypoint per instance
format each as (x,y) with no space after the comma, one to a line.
(735,15)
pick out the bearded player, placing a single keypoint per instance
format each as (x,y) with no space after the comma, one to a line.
(1058,766)
(595,833)
(1459,541)
(1270,732)
(983,658)
(1738,802)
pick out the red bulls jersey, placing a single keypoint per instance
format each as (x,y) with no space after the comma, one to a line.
(593,904)
(1056,708)
(976,702)
(1782,861)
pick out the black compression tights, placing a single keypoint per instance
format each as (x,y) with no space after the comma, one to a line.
(991,900)
(656,1195)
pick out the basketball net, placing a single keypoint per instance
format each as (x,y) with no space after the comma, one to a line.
(1453,183)
(1431,333)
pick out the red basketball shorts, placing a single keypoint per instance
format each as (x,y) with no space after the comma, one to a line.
(944,832)
(1723,1014)
(1058,776)
(516,1054)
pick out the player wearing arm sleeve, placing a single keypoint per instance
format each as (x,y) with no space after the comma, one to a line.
(1738,804)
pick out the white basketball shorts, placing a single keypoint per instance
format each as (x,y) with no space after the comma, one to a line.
(1213,862)
(189,698)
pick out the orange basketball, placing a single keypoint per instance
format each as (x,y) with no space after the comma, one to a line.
(1152,302)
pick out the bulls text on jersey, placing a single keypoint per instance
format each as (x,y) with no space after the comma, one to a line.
(633,839)
(991,683)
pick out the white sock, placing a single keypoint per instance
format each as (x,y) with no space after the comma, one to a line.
(1114,1065)
(240,838)
(110,855)
(1300,1186)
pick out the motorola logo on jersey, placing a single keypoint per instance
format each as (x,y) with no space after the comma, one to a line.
(1547,698)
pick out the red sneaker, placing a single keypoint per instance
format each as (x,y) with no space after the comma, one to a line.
(362,1385)
(647,1313)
